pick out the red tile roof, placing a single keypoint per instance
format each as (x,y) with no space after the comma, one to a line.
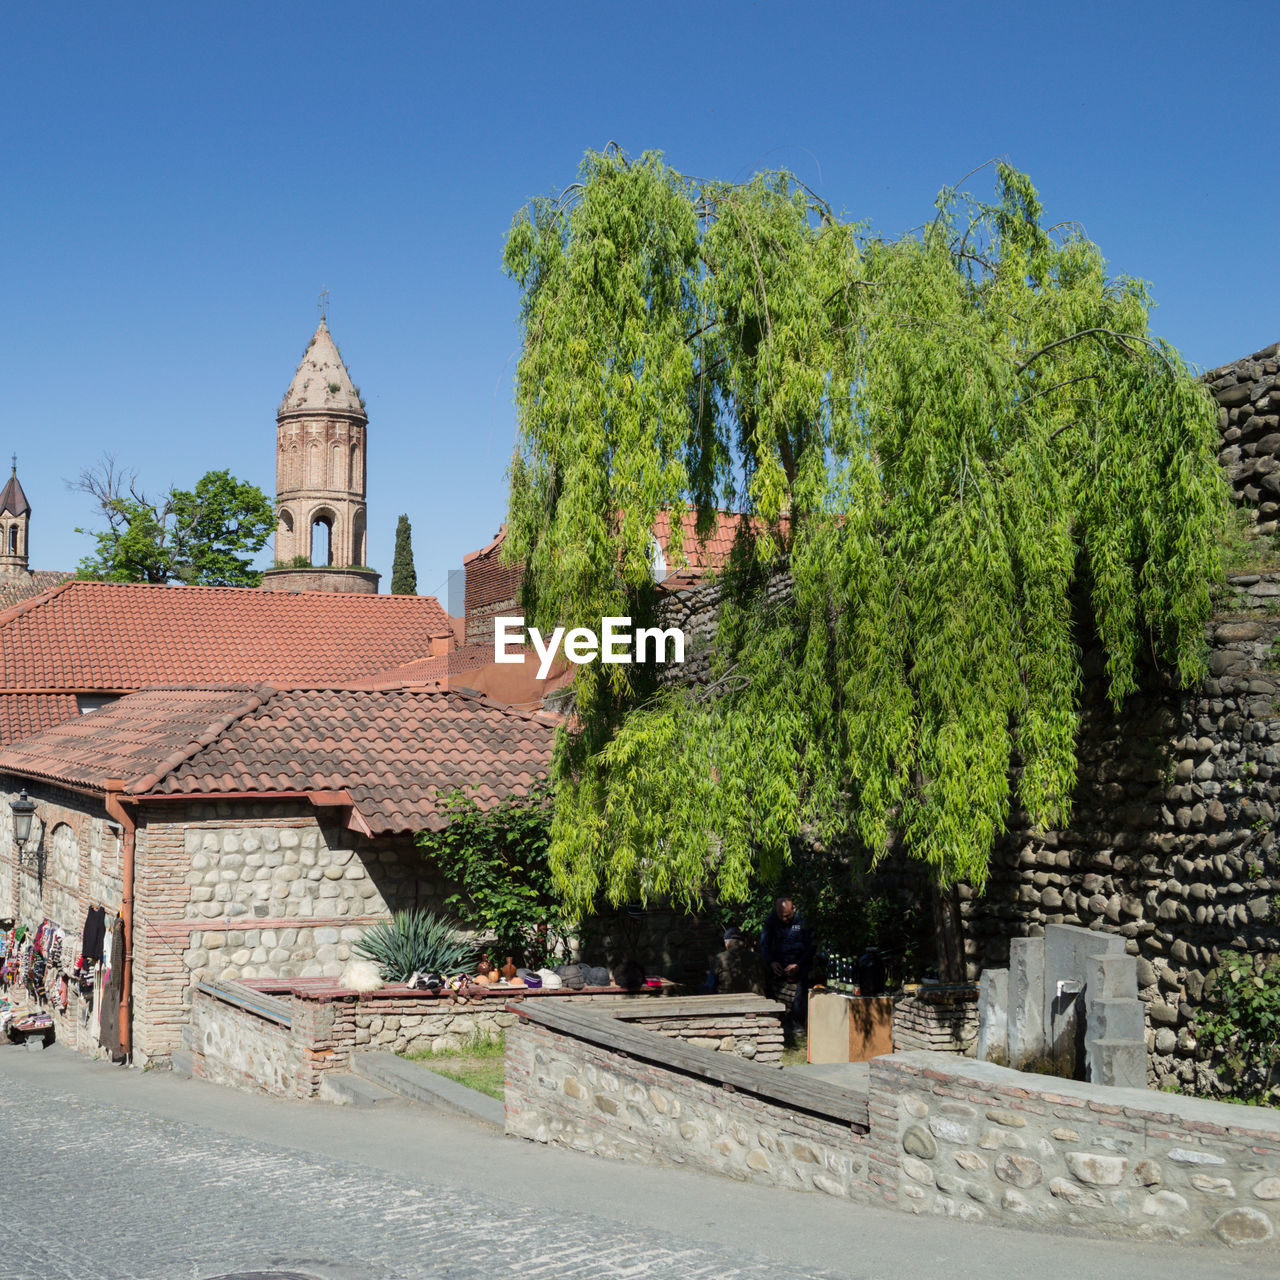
(22,714)
(121,636)
(389,755)
(15,590)
(429,671)
(137,736)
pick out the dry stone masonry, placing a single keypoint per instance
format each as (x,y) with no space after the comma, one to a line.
(1249,419)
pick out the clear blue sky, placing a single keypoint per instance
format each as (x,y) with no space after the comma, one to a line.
(180,181)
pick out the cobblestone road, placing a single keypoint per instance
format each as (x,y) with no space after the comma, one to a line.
(98,1194)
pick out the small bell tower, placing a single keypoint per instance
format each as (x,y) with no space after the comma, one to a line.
(320,478)
(15,521)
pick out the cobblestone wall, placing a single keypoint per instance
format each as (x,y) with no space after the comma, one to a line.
(1172,843)
(945,1136)
(1249,419)
(255,891)
(570,1093)
(976,1141)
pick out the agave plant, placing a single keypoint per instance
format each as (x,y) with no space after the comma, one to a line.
(415,942)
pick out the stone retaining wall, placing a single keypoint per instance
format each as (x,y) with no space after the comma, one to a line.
(977,1141)
(944,1136)
(232,1045)
(567,1092)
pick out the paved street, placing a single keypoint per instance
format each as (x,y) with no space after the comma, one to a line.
(114,1174)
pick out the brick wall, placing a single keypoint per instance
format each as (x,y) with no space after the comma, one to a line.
(351,581)
(492,590)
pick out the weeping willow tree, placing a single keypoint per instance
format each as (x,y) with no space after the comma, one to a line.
(943,439)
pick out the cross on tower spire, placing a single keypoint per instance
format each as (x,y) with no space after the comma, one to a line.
(323,304)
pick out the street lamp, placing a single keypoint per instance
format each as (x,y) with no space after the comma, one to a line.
(24,810)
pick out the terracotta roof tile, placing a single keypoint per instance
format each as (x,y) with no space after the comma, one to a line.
(22,714)
(14,591)
(121,636)
(393,752)
(136,737)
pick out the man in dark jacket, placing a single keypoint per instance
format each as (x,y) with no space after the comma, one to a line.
(787,948)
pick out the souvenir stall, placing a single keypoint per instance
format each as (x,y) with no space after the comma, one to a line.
(49,976)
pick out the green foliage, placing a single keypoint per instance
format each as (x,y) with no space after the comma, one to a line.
(208,535)
(940,437)
(415,941)
(846,910)
(1240,1024)
(1244,550)
(404,577)
(498,858)
(479,1063)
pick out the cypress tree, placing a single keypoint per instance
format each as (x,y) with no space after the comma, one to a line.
(404,578)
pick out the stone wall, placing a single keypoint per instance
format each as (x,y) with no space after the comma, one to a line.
(1249,419)
(567,1092)
(946,1022)
(244,891)
(1172,842)
(230,1044)
(978,1141)
(943,1136)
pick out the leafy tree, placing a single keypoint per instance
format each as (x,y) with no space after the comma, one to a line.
(944,439)
(206,535)
(404,578)
(498,858)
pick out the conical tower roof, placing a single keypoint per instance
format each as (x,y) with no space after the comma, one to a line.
(12,499)
(322,381)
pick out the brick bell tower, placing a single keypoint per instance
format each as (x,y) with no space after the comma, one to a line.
(321,433)
(15,524)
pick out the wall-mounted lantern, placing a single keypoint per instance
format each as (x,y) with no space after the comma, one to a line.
(24,809)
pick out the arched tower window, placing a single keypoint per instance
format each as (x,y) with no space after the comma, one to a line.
(13,539)
(358,555)
(322,540)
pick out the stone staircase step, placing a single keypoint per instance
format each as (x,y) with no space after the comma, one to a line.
(419,1084)
(348,1089)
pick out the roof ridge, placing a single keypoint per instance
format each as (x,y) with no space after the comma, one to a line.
(212,732)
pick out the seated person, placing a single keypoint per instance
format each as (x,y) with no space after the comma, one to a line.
(736,969)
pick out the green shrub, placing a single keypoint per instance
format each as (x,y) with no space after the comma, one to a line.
(498,858)
(415,942)
(1240,1024)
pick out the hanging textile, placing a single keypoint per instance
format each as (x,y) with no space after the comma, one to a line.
(94,928)
(112,992)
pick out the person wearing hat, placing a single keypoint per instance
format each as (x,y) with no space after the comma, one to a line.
(736,969)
